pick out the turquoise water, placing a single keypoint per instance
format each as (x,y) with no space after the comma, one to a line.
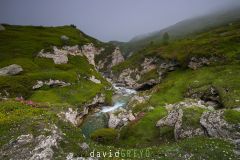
(100,120)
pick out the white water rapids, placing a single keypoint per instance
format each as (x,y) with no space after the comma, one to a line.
(122,96)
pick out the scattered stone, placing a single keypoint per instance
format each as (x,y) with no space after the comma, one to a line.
(94,80)
(64,38)
(199,62)
(196,63)
(51,83)
(84,146)
(11,70)
(188,103)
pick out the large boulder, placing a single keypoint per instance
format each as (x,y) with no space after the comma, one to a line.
(175,119)
(184,118)
(216,126)
(113,121)
(13,69)
(120,117)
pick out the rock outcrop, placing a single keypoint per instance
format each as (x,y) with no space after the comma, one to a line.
(137,99)
(131,76)
(60,56)
(11,70)
(72,116)
(148,65)
(50,83)
(217,127)
(76,116)
(89,50)
(208,94)
(198,62)
(94,80)
(174,119)
(175,116)
(117,57)
(120,117)
(32,148)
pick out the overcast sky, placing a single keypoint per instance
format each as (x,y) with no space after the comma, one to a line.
(107,19)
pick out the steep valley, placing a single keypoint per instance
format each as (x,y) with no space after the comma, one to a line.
(66,95)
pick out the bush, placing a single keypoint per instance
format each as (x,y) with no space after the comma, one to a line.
(105,136)
(73,26)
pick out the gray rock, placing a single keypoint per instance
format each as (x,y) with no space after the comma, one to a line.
(117,57)
(13,69)
(170,119)
(32,148)
(64,38)
(114,121)
(216,126)
(94,80)
(175,119)
(84,146)
(51,83)
(196,63)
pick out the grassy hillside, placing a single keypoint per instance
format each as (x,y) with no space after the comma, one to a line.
(222,41)
(21,44)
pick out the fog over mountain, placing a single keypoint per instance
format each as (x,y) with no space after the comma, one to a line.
(106,19)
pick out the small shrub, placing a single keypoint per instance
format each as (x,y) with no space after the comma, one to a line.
(105,136)
(73,26)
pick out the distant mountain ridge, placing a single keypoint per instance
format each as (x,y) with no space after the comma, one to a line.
(183,28)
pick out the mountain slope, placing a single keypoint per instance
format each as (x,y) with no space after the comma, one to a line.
(184,28)
(21,45)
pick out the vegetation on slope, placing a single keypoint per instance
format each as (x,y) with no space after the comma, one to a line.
(21,44)
(184,28)
(222,41)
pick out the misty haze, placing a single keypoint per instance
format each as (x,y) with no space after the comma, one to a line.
(139,79)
